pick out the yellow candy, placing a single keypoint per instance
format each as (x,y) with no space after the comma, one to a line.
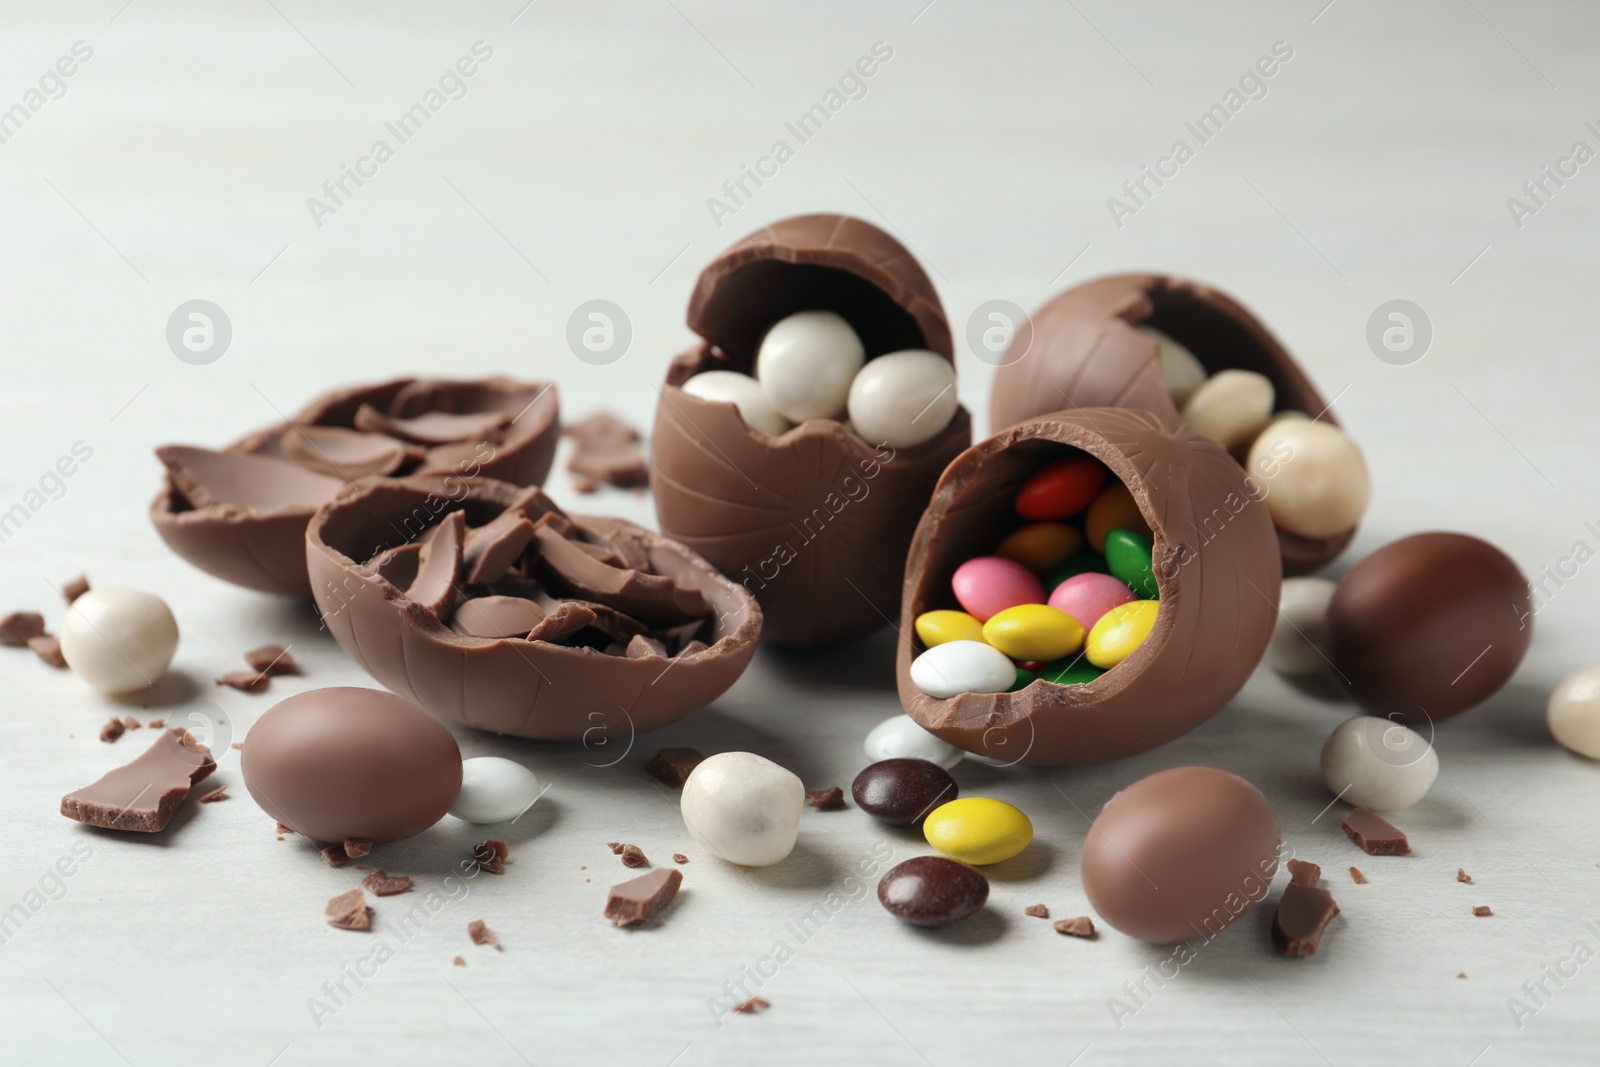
(1039,546)
(1034,631)
(977,830)
(1113,509)
(1120,631)
(937,627)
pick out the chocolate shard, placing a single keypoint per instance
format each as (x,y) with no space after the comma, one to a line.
(641,647)
(607,451)
(144,795)
(1357,877)
(433,427)
(1303,872)
(753,1005)
(679,857)
(17,628)
(356,847)
(632,855)
(568,618)
(642,899)
(1082,926)
(380,883)
(244,480)
(245,681)
(218,794)
(73,588)
(491,549)
(491,856)
(496,617)
(480,933)
(1376,835)
(438,563)
(654,599)
(112,730)
(1482,910)
(1462,875)
(1302,918)
(344,454)
(271,659)
(829,799)
(1037,911)
(671,766)
(348,911)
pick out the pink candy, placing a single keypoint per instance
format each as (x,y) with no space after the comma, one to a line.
(1090,595)
(988,585)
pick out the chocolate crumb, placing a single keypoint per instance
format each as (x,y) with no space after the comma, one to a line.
(679,857)
(1082,926)
(245,681)
(671,766)
(1357,877)
(829,799)
(112,730)
(282,829)
(1462,875)
(1481,910)
(334,856)
(1303,872)
(348,911)
(1461,974)
(1302,919)
(1376,835)
(73,588)
(491,856)
(641,899)
(356,847)
(131,723)
(156,724)
(271,659)
(607,451)
(18,626)
(633,856)
(48,648)
(753,1005)
(480,933)
(459,962)
(384,884)
(1038,911)
(219,793)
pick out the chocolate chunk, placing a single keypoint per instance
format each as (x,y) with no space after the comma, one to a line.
(219,793)
(679,857)
(1038,911)
(438,563)
(335,855)
(1357,877)
(356,847)
(642,899)
(397,565)
(607,451)
(671,766)
(480,933)
(245,681)
(348,911)
(496,617)
(1303,872)
(1462,875)
(641,647)
(133,724)
(282,829)
(654,599)
(459,962)
(383,884)
(633,856)
(271,659)
(1082,926)
(1302,918)
(73,588)
(145,794)
(244,480)
(18,627)
(753,1005)
(344,454)
(112,730)
(1482,910)
(829,799)
(1375,834)
(491,855)
(433,427)
(491,549)
(568,618)
(48,648)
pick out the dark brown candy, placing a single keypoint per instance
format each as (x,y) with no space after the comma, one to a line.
(642,899)
(1375,835)
(1429,626)
(144,795)
(1302,918)
(933,891)
(902,791)
(671,766)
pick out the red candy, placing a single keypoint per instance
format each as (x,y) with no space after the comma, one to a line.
(1061,489)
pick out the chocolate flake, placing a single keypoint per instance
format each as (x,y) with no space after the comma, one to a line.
(829,799)
(131,723)
(208,478)
(642,899)
(654,599)
(335,856)
(271,659)
(679,857)
(1038,911)
(753,1005)
(1481,910)
(1462,875)
(459,962)
(219,793)
(438,563)
(671,766)
(1375,834)
(1303,872)
(641,647)
(491,549)
(1302,918)
(491,856)
(348,911)
(1082,926)
(245,681)
(632,856)
(480,933)
(73,588)
(112,730)
(18,626)
(144,795)
(48,648)
(356,847)
(282,829)
(383,884)
(1357,877)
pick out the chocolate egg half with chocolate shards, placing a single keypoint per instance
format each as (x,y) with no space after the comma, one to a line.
(492,608)
(1150,341)
(1214,563)
(814,520)
(240,513)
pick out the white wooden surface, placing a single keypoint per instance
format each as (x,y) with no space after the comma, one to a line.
(177,166)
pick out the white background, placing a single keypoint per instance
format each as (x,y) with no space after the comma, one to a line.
(177,166)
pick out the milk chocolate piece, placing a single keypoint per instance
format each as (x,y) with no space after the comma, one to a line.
(1429,626)
(491,549)
(1082,926)
(432,428)
(1376,835)
(459,962)
(641,647)
(1481,910)
(1037,911)
(438,563)
(1462,875)
(348,911)
(651,598)
(335,855)
(497,616)
(1302,872)
(829,799)
(112,730)
(753,1005)
(219,793)
(1215,567)
(356,847)
(73,588)
(679,857)
(1083,351)
(380,883)
(632,855)
(244,480)
(245,681)
(491,856)
(480,933)
(642,899)
(607,451)
(48,648)
(19,627)
(816,522)
(271,659)
(145,794)
(1302,918)
(671,766)
(344,454)
(569,618)
(133,724)
(1357,877)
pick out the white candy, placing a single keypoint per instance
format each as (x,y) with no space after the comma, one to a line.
(1299,636)
(744,393)
(1378,764)
(1231,407)
(119,640)
(743,808)
(1314,476)
(900,737)
(806,364)
(903,398)
(1180,370)
(962,667)
(1574,712)
(494,790)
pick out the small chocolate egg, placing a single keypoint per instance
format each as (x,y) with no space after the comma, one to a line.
(343,763)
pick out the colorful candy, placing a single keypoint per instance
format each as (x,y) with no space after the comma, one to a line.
(1034,631)
(932,891)
(1113,509)
(1119,632)
(1130,555)
(1074,671)
(988,585)
(1088,596)
(957,667)
(1082,563)
(937,627)
(1039,546)
(901,792)
(978,830)
(1061,489)
(899,736)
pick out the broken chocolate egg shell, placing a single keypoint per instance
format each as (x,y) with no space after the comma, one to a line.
(533,689)
(1216,568)
(1086,352)
(815,522)
(261,546)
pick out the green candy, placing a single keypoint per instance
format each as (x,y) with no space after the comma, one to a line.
(1023,678)
(1082,563)
(1073,671)
(1129,556)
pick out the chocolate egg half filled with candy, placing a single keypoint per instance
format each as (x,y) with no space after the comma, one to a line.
(1212,555)
(492,608)
(1176,346)
(814,519)
(240,513)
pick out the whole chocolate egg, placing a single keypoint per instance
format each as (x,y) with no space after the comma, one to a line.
(1429,626)
(343,763)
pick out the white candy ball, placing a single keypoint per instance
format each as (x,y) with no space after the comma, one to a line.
(1314,476)
(903,398)
(962,667)
(1180,370)
(744,393)
(494,790)
(1378,764)
(119,640)
(1231,407)
(900,737)
(743,808)
(806,364)
(1299,636)
(1574,712)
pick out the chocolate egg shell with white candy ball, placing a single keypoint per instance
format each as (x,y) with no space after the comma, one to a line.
(1087,350)
(1216,569)
(239,513)
(814,521)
